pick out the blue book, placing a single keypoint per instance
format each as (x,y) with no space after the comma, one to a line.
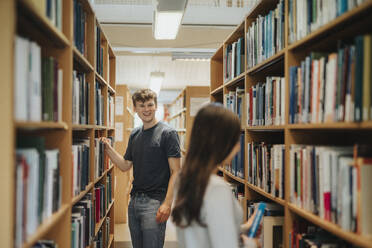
(257,220)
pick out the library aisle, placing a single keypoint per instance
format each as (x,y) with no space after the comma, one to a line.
(123,239)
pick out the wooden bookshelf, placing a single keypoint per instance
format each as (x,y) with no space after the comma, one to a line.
(180,116)
(124,119)
(324,39)
(26,19)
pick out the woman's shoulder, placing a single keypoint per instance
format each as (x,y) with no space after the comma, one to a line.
(216,183)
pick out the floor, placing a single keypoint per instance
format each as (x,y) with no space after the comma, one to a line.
(122,236)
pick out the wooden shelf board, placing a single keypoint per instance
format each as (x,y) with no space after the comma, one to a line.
(234,80)
(335,125)
(337,22)
(130,111)
(82,193)
(265,194)
(110,128)
(82,126)
(267,63)
(45,226)
(183,150)
(217,90)
(273,128)
(100,177)
(99,224)
(177,114)
(101,79)
(111,240)
(353,238)
(98,127)
(82,60)
(111,90)
(240,180)
(40,125)
(44,24)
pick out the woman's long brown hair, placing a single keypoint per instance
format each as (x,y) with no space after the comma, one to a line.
(215,132)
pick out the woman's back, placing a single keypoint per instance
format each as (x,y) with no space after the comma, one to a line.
(222,215)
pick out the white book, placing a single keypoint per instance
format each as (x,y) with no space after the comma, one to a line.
(75,169)
(366,196)
(330,89)
(282,99)
(21,53)
(321,91)
(34,104)
(32,159)
(314,95)
(277,101)
(51,164)
(344,196)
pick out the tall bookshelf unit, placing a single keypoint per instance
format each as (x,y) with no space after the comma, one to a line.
(124,121)
(27,18)
(180,111)
(345,27)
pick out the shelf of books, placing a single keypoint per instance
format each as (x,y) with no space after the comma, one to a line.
(58,179)
(182,111)
(305,107)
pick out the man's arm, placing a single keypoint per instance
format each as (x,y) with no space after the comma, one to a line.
(165,209)
(115,157)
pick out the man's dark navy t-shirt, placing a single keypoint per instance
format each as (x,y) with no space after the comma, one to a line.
(149,151)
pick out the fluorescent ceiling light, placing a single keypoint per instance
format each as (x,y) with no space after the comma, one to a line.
(192,56)
(156,80)
(167,25)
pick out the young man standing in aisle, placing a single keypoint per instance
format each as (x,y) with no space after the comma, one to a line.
(154,152)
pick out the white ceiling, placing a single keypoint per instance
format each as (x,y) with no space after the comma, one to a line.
(128,27)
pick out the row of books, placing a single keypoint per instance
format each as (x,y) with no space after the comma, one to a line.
(266,103)
(82,222)
(101,161)
(238,192)
(38,84)
(99,52)
(265,37)
(80,28)
(266,167)
(234,59)
(110,110)
(235,101)
(307,16)
(237,163)
(103,237)
(99,104)
(304,235)
(38,185)
(81,162)
(178,122)
(101,201)
(80,99)
(177,106)
(52,9)
(333,87)
(272,224)
(333,182)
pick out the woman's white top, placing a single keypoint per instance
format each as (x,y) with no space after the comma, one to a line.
(222,215)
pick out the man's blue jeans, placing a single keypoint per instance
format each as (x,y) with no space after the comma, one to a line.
(144,230)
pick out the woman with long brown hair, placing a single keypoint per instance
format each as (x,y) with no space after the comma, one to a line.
(206,213)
